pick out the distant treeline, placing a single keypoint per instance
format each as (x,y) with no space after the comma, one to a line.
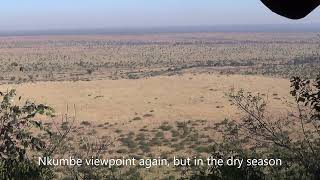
(171,29)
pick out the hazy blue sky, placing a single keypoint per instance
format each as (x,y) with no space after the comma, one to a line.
(69,14)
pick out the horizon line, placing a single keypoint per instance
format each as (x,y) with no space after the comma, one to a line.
(301,27)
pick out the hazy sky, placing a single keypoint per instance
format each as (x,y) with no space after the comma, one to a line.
(70,14)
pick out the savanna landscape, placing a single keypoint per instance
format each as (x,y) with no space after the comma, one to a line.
(152,95)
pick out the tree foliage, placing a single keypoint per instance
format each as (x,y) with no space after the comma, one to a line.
(294,138)
(18,142)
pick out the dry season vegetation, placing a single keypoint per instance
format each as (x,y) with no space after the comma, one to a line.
(24,59)
(145,96)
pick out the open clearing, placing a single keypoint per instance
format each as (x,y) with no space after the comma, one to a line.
(154,100)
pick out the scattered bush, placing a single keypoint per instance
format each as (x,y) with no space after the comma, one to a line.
(295,138)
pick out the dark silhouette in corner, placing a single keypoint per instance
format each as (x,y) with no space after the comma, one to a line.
(293,9)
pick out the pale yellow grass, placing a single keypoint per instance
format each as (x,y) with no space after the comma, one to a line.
(166,98)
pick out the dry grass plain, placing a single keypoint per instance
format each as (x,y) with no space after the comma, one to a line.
(155,94)
(155,100)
